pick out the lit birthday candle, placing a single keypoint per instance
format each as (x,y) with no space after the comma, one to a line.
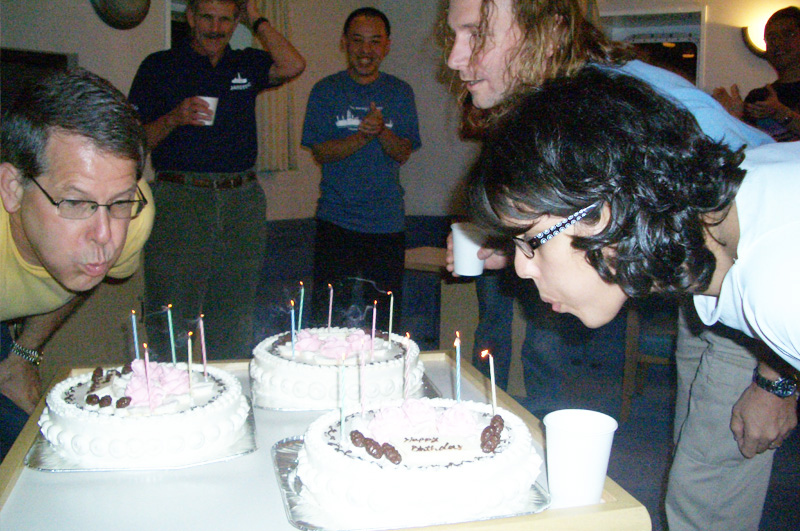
(171,333)
(292,304)
(189,360)
(372,342)
(202,330)
(391,316)
(300,313)
(407,369)
(341,397)
(330,305)
(457,344)
(485,353)
(135,334)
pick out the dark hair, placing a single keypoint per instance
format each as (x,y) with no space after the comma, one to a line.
(787,13)
(76,102)
(367,12)
(601,138)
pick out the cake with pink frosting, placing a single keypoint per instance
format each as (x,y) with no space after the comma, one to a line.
(306,376)
(145,417)
(415,463)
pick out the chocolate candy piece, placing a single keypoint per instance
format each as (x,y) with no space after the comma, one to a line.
(357,438)
(373,448)
(124,401)
(498,422)
(106,401)
(394,457)
(127,369)
(488,432)
(92,400)
(97,375)
(490,444)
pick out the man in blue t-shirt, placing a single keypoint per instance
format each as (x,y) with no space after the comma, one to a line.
(207,246)
(361,126)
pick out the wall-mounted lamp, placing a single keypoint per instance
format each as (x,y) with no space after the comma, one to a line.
(756,46)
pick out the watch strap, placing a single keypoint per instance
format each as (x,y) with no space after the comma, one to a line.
(782,387)
(28,354)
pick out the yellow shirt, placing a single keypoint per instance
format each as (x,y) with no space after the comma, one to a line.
(26,289)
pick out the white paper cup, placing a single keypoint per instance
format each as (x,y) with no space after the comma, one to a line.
(578,447)
(212,103)
(467,239)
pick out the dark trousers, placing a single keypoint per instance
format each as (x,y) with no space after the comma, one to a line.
(12,417)
(362,268)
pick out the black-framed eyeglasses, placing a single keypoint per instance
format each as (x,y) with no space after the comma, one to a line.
(528,246)
(84,209)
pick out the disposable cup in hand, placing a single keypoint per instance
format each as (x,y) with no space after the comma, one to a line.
(578,445)
(212,104)
(467,239)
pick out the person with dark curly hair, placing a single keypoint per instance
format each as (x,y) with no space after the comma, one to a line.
(610,191)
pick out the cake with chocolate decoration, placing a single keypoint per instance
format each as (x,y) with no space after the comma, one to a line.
(129,417)
(418,462)
(306,377)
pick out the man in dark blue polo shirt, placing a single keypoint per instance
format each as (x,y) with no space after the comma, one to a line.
(207,245)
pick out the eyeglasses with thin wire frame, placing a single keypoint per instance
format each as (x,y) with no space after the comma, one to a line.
(84,209)
(528,246)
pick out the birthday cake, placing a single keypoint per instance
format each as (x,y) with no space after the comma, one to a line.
(418,462)
(306,375)
(132,417)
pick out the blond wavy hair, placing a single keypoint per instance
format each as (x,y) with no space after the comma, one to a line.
(558,40)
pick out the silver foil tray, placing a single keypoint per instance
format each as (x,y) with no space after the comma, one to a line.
(304,514)
(43,456)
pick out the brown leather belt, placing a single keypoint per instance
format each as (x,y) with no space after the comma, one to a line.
(223,183)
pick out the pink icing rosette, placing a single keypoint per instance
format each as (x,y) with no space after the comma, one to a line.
(307,341)
(388,424)
(165,380)
(334,348)
(420,413)
(457,420)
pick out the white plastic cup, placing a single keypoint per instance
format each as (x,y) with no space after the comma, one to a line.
(467,239)
(578,445)
(212,103)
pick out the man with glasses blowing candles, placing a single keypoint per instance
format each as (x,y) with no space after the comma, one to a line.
(74,211)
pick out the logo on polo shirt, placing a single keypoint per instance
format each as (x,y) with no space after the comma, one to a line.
(240,83)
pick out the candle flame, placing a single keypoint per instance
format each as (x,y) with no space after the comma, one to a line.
(330,287)
(202,315)
(389,293)
(169,306)
(144,345)
(485,353)
(292,303)
(301,282)
(133,312)
(190,334)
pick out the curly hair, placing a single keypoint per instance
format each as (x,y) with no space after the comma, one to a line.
(601,138)
(557,40)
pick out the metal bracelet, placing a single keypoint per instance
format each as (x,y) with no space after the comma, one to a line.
(28,354)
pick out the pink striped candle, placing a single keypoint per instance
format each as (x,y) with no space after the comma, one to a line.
(202,331)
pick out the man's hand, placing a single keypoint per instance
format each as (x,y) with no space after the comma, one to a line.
(493,258)
(770,107)
(732,101)
(372,124)
(191,111)
(19,381)
(761,420)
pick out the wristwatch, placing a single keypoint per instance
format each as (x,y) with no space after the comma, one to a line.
(782,387)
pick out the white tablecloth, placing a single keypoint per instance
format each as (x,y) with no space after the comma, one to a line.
(242,493)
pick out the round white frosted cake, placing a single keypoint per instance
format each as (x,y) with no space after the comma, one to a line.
(307,377)
(418,462)
(119,419)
